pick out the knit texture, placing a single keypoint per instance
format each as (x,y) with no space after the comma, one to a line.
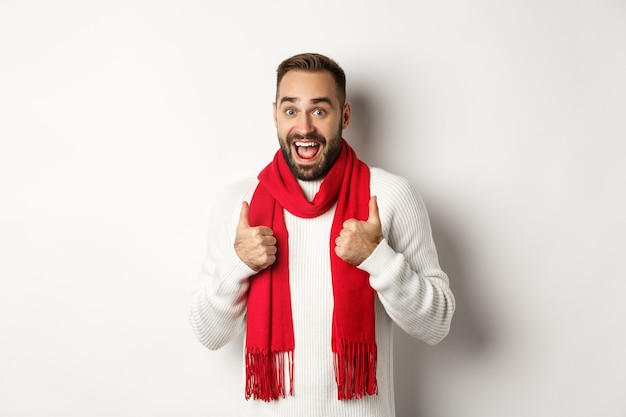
(404,271)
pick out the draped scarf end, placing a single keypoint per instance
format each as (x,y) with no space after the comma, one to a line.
(265,374)
(355,370)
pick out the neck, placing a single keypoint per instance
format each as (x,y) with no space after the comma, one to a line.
(310,188)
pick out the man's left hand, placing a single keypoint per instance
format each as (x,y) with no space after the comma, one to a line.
(357,240)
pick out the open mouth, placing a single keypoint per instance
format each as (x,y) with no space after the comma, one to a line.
(306,150)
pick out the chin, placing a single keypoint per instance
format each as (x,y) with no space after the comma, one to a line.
(307,173)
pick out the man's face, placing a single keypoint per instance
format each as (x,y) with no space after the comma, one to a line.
(309,120)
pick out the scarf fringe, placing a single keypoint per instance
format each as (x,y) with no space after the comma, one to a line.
(265,374)
(355,370)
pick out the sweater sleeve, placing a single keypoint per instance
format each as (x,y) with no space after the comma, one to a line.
(404,269)
(218,304)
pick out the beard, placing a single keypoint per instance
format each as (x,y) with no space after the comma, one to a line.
(331,150)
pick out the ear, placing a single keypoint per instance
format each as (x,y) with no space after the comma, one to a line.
(274,112)
(347,114)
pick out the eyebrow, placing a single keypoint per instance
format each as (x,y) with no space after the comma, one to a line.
(313,100)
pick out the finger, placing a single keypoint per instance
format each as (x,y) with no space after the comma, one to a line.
(265,231)
(269,239)
(374,216)
(244,215)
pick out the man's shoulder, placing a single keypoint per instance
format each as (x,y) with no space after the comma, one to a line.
(244,185)
(382,181)
(377,172)
(238,190)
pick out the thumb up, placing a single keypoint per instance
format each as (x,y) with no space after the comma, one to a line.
(255,246)
(358,239)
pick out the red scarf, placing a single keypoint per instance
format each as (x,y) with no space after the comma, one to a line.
(269,334)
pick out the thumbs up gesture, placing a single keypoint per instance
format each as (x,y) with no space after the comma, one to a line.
(255,246)
(357,240)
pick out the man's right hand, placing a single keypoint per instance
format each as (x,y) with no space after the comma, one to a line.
(255,246)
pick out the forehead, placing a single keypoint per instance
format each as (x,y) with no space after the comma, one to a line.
(307,85)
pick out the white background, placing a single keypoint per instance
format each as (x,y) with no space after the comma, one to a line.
(120,120)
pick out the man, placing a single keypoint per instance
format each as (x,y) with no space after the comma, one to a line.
(316,258)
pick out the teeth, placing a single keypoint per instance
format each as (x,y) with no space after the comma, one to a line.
(306,144)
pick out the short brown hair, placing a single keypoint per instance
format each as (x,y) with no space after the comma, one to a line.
(312,62)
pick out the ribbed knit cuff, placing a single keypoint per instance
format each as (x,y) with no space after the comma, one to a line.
(233,271)
(383,263)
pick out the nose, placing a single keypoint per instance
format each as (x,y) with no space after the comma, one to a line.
(304,124)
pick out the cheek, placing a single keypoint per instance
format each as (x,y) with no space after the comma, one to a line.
(283,128)
(329,127)
(279,124)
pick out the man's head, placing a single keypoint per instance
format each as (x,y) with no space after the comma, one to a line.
(310,113)
(310,62)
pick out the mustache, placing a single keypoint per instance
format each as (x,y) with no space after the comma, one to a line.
(312,136)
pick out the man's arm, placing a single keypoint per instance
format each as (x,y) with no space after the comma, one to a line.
(218,304)
(404,268)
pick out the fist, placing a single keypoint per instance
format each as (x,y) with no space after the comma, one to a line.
(255,246)
(357,240)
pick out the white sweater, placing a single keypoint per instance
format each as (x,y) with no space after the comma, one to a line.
(404,270)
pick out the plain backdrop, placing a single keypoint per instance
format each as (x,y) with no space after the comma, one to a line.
(120,120)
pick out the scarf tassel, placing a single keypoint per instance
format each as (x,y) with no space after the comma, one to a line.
(355,370)
(265,374)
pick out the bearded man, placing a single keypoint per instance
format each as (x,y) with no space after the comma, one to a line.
(315,259)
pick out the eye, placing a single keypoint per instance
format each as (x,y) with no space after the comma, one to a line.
(319,112)
(290,112)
